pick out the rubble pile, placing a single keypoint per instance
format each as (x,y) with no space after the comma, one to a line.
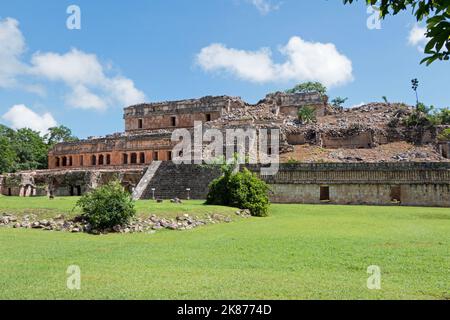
(138,225)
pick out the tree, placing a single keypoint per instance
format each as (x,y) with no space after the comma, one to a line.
(31,150)
(7,155)
(309,87)
(437,15)
(338,102)
(59,134)
(415,86)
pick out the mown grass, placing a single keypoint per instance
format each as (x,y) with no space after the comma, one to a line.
(299,252)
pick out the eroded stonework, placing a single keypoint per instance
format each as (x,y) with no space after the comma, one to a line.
(361,155)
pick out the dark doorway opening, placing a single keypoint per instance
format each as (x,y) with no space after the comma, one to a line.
(324,193)
(78,189)
(208,117)
(72,193)
(133,158)
(125,158)
(9,192)
(140,124)
(173,121)
(142,157)
(396,193)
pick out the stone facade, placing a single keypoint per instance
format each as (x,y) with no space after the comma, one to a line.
(409,184)
(148,129)
(178,114)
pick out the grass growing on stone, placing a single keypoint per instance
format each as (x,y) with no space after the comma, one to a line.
(45,208)
(299,252)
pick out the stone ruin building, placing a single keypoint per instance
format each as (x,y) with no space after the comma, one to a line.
(361,155)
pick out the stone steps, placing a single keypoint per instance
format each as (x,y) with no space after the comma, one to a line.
(146,179)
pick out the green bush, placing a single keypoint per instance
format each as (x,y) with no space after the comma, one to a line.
(247,191)
(107,206)
(217,194)
(307,115)
(445,135)
(243,190)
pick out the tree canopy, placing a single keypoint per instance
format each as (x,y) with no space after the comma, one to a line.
(25,149)
(309,87)
(437,16)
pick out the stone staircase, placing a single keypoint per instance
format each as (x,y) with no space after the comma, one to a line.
(146,179)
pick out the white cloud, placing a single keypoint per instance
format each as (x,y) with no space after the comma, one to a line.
(90,84)
(90,87)
(12,46)
(305,61)
(264,6)
(417,37)
(19,116)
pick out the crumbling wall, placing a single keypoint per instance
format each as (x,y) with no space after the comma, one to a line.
(356,141)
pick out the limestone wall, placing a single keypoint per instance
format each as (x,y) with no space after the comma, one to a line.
(415,184)
(178,114)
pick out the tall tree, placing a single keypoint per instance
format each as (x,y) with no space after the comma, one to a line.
(437,16)
(59,134)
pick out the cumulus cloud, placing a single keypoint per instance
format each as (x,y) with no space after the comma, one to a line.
(304,61)
(19,116)
(417,37)
(90,85)
(264,6)
(12,46)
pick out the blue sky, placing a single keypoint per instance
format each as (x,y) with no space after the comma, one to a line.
(152,50)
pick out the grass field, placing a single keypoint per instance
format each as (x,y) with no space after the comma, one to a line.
(299,252)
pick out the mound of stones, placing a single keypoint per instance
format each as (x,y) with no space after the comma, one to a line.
(139,225)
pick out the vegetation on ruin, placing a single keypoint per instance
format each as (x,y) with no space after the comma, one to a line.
(436,13)
(306,115)
(445,135)
(107,206)
(338,102)
(25,149)
(427,116)
(299,252)
(309,87)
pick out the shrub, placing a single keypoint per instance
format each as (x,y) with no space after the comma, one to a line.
(445,135)
(217,194)
(107,206)
(243,190)
(247,191)
(307,115)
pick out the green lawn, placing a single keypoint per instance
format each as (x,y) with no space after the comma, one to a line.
(299,252)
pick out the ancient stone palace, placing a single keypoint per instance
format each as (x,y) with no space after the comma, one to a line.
(360,155)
